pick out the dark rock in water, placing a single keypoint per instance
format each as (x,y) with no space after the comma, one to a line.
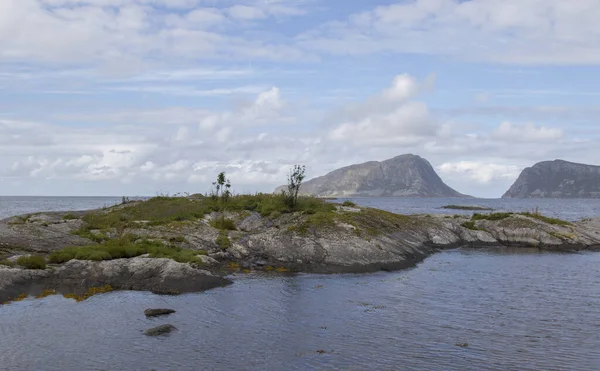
(401,176)
(158,312)
(160,330)
(557,179)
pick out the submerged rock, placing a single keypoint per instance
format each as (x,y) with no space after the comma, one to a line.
(158,312)
(160,330)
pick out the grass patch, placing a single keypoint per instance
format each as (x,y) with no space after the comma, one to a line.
(223,224)
(167,210)
(32,262)
(545,219)
(491,216)
(349,203)
(126,247)
(223,240)
(69,216)
(19,220)
(471,225)
(464,207)
(7,263)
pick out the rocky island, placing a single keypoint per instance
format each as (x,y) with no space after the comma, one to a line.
(402,176)
(172,245)
(557,179)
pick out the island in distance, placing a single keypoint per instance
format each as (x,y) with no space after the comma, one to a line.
(402,176)
(557,179)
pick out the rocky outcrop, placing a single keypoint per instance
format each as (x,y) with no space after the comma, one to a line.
(402,176)
(143,274)
(158,312)
(557,179)
(345,240)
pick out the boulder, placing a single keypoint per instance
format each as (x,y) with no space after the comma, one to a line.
(158,312)
(160,330)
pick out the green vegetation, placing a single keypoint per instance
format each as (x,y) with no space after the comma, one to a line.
(534,214)
(22,219)
(471,225)
(171,210)
(69,216)
(491,216)
(463,207)
(546,219)
(7,263)
(32,262)
(223,240)
(349,203)
(126,247)
(224,224)
(294,182)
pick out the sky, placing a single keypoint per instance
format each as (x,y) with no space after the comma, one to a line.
(146,97)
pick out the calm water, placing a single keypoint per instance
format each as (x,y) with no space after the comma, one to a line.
(525,311)
(516,309)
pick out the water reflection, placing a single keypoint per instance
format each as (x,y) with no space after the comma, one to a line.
(459,310)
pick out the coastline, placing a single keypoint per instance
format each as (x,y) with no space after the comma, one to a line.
(343,239)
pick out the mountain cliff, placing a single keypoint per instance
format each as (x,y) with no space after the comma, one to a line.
(402,176)
(557,179)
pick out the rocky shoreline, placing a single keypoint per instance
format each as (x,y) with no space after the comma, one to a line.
(347,239)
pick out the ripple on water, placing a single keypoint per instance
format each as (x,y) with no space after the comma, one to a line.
(459,310)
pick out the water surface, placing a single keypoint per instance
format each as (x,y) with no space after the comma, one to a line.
(526,311)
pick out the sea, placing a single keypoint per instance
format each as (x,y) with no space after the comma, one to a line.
(460,309)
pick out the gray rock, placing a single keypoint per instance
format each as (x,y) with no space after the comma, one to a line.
(141,274)
(402,176)
(557,179)
(158,312)
(160,330)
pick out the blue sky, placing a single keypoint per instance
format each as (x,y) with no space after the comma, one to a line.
(116,97)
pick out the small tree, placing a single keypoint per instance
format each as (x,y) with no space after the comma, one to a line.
(294,182)
(222,193)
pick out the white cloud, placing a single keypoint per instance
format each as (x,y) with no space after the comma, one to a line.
(125,36)
(389,118)
(507,31)
(527,132)
(481,172)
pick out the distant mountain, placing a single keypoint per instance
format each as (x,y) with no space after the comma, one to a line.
(557,179)
(402,176)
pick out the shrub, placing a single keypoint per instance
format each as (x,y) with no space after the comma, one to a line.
(470,225)
(69,216)
(223,240)
(295,179)
(32,262)
(7,263)
(223,224)
(349,203)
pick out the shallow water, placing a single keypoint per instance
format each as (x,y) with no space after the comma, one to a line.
(516,311)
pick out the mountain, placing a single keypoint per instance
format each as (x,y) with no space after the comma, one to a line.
(557,179)
(402,176)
